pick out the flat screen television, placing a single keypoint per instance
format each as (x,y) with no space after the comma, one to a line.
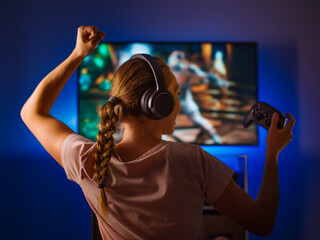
(217,81)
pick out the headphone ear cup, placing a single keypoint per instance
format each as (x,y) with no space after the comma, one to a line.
(163,104)
(144,103)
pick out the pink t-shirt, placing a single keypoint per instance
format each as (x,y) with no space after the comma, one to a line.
(159,195)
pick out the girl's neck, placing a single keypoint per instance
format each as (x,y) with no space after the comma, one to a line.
(138,138)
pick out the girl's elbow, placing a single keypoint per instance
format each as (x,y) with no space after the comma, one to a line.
(23,114)
(264,229)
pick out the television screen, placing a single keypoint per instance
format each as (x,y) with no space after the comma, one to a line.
(217,81)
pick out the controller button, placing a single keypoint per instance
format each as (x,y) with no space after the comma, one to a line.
(259,116)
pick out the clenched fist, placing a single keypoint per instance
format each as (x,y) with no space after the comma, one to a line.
(87,39)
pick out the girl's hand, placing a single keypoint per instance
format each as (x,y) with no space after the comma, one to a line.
(278,139)
(87,39)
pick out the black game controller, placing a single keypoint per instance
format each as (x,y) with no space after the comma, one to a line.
(261,113)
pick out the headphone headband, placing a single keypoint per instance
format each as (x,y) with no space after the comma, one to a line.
(155,68)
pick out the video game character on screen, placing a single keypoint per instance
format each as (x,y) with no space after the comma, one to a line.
(189,74)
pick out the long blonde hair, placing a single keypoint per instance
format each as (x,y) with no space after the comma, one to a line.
(130,81)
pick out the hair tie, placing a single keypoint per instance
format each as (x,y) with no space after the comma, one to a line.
(114,100)
(101,185)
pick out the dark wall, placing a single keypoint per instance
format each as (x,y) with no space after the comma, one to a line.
(38,202)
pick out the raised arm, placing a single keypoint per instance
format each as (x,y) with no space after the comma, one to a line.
(36,111)
(258,216)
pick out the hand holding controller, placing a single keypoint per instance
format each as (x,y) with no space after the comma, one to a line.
(261,113)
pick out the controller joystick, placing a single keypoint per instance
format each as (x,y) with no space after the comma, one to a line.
(261,113)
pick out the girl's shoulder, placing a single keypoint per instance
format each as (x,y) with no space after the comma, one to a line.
(185,148)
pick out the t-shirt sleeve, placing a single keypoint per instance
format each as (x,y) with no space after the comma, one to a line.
(75,152)
(217,176)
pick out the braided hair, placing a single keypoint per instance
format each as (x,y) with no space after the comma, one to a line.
(109,115)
